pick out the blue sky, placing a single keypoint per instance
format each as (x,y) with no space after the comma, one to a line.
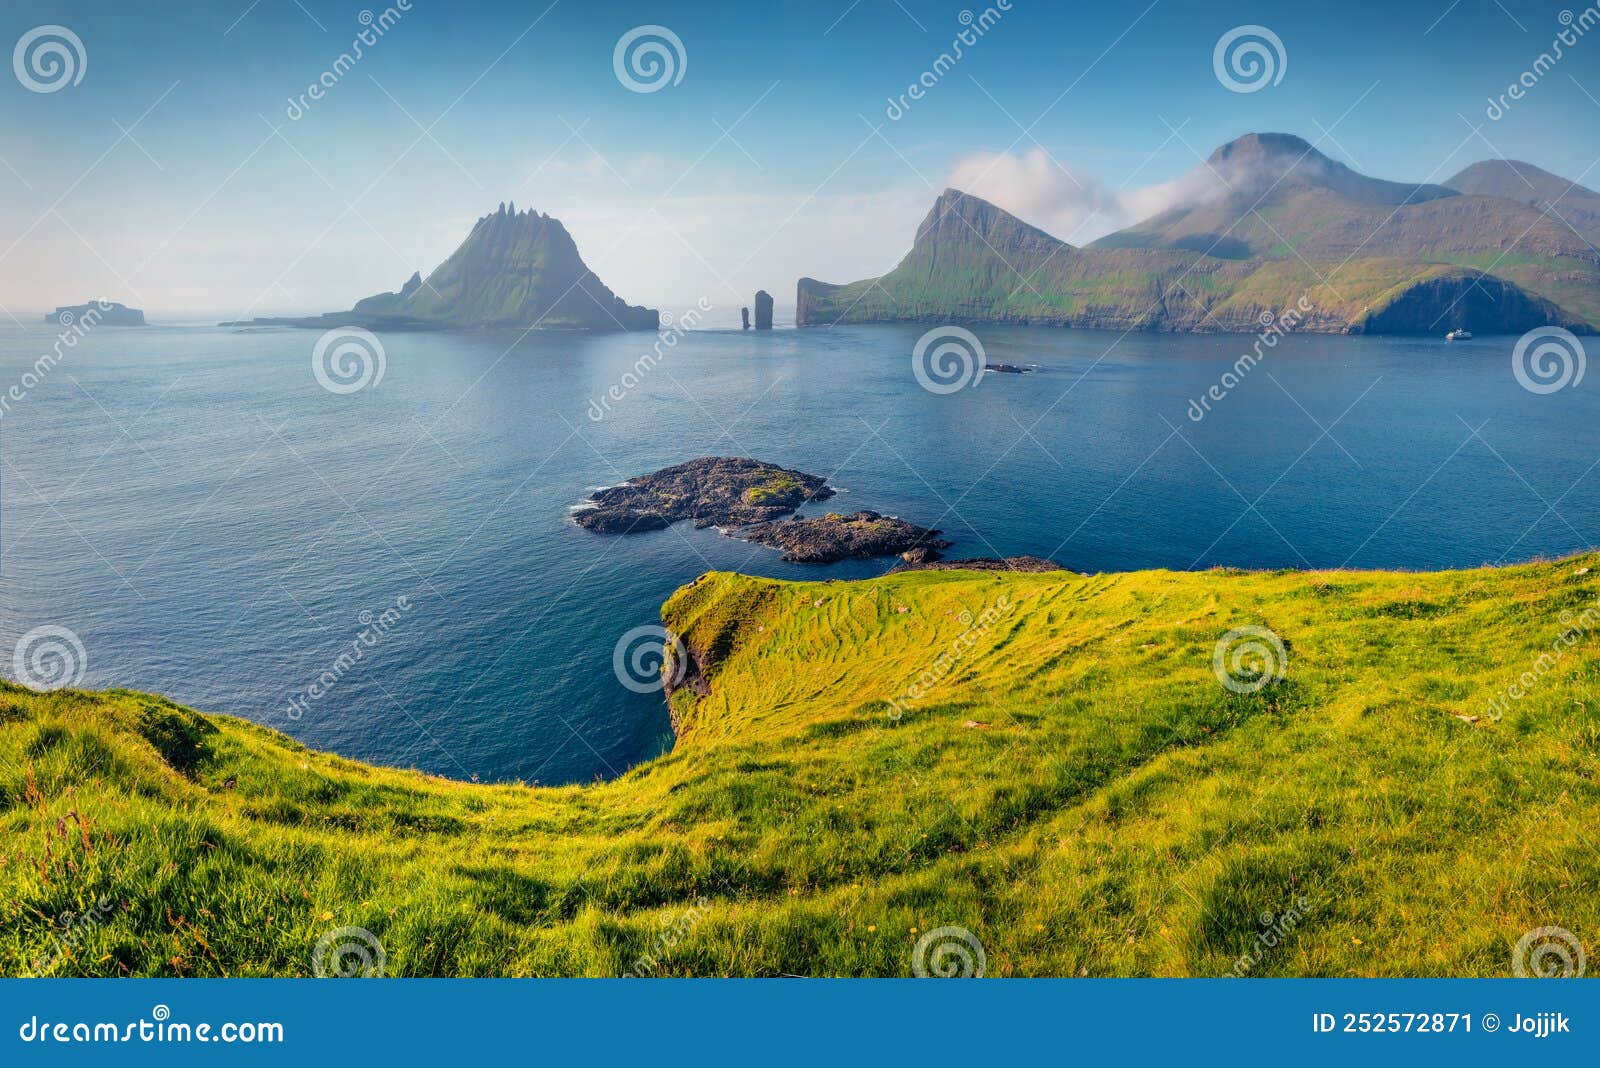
(202,209)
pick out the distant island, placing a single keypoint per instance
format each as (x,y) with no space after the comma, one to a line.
(98,312)
(1274,229)
(515,269)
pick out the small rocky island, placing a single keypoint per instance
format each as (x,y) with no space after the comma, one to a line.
(755,501)
(103,312)
(833,537)
(712,491)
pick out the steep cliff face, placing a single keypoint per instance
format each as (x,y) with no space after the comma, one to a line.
(1468,300)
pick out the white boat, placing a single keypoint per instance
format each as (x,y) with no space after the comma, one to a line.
(1459,335)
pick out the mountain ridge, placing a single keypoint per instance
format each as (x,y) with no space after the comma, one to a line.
(1273,219)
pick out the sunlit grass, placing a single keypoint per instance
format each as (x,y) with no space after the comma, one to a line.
(1074,786)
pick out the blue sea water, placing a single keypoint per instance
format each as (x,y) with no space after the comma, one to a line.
(214,525)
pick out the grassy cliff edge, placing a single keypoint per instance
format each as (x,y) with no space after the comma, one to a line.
(1046,760)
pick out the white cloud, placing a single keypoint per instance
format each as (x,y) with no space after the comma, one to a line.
(1070,203)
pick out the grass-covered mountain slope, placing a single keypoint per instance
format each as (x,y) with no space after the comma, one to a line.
(1266,220)
(1071,783)
(973,262)
(1576,205)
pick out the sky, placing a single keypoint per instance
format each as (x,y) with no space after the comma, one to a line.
(181,168)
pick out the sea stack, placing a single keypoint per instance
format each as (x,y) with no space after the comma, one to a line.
(763,310)
(744,314)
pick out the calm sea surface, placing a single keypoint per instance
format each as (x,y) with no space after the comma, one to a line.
(216,526)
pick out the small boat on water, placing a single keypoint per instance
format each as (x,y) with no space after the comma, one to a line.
(1459,335)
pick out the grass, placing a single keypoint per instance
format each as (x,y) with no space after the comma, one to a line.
(1046,760)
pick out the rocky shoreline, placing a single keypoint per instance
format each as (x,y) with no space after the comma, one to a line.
(711,491)
(833,537)
(755,501)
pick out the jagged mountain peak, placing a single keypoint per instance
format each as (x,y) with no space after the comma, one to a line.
(959,218)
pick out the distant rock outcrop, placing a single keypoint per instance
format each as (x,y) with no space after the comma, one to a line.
(744,315)
(755,501)
(515,269)
(713,490)
(763,310)
(96,312)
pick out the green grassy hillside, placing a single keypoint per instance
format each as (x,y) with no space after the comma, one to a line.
(1047,760)
(973,262)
